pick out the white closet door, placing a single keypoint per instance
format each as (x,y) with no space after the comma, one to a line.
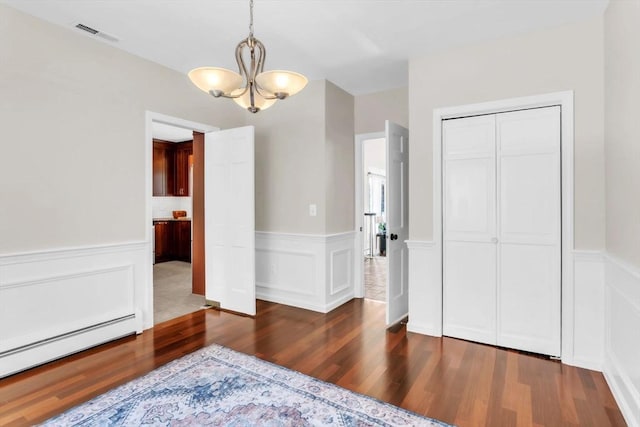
(469,228)
(529,191)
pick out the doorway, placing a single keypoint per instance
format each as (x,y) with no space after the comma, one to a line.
(374,218)
(565,101)
(176,271)
(382,218)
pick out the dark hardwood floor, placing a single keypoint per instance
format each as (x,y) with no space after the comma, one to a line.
(454,381)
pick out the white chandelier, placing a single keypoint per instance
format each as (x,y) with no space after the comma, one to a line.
(253,89)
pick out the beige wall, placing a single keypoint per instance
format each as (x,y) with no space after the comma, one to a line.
(622,129)
(304,156)
(559,59)
(290,148)
(72,115)
(339,160)
(372,110)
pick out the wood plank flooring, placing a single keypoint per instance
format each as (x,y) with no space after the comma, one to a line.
(454,381)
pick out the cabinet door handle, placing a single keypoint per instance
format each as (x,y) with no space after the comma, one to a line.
(393,236)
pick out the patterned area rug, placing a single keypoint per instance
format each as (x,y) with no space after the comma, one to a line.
(221,387)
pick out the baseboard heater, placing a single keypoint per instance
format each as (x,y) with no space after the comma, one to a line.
(33,354)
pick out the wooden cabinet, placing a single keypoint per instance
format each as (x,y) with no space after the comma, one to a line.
(183,162)
(171,167)
(163,168)
(182,240)
(172,241)
(162,240)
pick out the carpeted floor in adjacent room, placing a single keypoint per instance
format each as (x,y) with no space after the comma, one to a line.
(172,295)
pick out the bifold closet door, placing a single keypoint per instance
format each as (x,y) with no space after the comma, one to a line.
(469,228)
(529,230)
(501,229)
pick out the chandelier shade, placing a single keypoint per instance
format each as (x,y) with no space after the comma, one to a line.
(244,100)
(215,81)
(281,83)
(251,87)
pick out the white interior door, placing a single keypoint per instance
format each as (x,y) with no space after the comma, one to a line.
(397,222)
(502,229)
(528,147)
(230,219)
(469,228)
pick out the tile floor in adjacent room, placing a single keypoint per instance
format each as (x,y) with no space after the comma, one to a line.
(172,295)
(375,278)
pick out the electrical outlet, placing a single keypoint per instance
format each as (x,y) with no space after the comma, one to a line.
(313,210)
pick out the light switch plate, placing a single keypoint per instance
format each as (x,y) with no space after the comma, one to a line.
(313,210)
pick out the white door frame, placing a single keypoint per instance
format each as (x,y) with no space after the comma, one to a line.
(358,267)
(565,101)
(151,117)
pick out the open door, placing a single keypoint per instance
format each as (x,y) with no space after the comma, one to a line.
(230,219)
(397,222)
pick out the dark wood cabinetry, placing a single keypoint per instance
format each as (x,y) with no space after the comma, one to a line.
(183,162)
(172,241)
(163,169)
(162,240)
(171,166)
(182,240)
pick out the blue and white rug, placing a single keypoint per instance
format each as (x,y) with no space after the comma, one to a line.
(221,387)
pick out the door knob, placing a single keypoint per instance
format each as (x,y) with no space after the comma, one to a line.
(393,236)
(494,240)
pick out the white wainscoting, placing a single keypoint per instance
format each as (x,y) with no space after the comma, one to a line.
(57,302)
(425,288)
(314,272)
(622,336)
(587,334)
(588,311)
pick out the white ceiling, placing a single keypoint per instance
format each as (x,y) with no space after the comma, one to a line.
(362,46)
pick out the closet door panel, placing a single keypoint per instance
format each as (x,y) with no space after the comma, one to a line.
(530,198)
(469,229)
(528,316)
(470,292)
(529,235)
(470,199)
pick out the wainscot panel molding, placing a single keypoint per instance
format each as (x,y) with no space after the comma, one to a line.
(588,311)
(314,272)
(425,288)
(57,302)
(622,336)
(585,299)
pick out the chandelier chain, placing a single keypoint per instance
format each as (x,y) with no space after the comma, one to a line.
(251,18)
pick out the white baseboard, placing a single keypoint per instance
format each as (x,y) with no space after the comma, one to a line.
(314,272)
(58,302)
(622,336)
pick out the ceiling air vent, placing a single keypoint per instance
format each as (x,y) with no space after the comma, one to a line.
(87,29)
(96,33)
